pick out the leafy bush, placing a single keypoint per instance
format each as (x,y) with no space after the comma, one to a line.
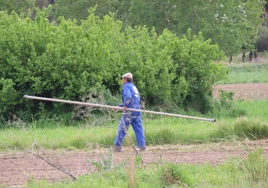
(8,95)
(64,60)
(194,58)
(225,106)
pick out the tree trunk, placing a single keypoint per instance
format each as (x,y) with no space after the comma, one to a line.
(243,57)
(231,59)
(250,56)
(255,54)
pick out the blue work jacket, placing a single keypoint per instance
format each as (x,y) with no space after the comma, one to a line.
(130,96)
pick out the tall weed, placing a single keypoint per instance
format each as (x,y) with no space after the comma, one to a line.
(171,174)
(225,106)
(246,128)
(255,166)
(163,136)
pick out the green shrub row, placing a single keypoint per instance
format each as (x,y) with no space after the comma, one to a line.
(64,60)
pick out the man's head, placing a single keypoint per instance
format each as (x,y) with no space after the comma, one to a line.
(128,77)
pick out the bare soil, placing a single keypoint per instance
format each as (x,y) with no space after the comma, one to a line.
(16,168)
(250,91)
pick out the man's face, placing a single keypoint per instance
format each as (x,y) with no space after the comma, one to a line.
(124,80)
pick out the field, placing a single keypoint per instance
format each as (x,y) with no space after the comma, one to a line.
(245,91)
(199,152)
(18,167)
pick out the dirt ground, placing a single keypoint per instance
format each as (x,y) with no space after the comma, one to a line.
(16,168)
(252,91)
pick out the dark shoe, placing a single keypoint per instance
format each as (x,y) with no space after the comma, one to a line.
(117,149)
(142,149)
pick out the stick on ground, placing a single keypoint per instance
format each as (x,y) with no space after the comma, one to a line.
(58,167)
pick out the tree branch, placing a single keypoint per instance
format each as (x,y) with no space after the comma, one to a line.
(58,167)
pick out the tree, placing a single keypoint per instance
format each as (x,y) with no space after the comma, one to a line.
(230,24)
(262,42)
(19,6)
(78,10)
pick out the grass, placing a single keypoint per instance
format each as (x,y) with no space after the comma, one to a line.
(247,73)
(158,131)
(244,128)
(172,131)
(53,138)
(249,172)
(255,108)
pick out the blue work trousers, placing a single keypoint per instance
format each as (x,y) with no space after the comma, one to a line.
(133,118)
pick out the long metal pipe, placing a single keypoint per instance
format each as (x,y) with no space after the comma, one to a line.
(116,107)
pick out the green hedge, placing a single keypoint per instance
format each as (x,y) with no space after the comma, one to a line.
(65,60)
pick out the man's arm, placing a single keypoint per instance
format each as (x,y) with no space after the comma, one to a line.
(126,97)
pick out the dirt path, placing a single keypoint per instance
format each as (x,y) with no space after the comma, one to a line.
(18,168)
(244,91)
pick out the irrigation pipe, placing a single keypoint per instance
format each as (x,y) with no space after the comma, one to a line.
(118,108)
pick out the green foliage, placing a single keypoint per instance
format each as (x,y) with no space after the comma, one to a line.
(138,160)
(53,60)
(248,68)
(79,143)
(261,44)
(78,10)
(106,163)
(255,108)
(226,98)
(255,167)
(225,106)
(253,130)
(99,179)
(233,25)
(172,175)
(20,6)
(164,136)
(53,133)
(8,95)
(199,175)
(246,129)
(194,58)
(68,61)
(246,73)
(230,24)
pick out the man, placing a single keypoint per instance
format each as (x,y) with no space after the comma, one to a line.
(130,99)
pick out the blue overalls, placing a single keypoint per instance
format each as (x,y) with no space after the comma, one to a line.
(130,99)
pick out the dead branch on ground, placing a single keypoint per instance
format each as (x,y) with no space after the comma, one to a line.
(57,166)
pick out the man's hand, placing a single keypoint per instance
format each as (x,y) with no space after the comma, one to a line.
(116,109)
